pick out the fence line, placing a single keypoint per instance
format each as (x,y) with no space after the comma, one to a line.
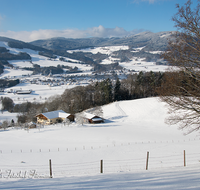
(103,166)
(90,147)
(110,166)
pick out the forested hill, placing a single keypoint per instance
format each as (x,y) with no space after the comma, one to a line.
(151,41)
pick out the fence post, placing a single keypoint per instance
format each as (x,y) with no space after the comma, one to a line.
(101,166)
(184,158)
(147,161)
(50,168)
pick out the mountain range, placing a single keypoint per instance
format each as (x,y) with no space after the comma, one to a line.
(151,41)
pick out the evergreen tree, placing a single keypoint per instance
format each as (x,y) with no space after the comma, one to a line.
(117,95)
(108,91)
(140,85)
(7,104)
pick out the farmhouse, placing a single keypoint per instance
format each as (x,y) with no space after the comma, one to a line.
(91,118)
(53,117)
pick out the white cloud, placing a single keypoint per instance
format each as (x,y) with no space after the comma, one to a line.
(99,31)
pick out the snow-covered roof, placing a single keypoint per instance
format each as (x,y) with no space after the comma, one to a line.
(88,115)
(97,119)
(30,123)
(91,116)
(55,114)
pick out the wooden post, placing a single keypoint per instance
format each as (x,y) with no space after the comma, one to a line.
(184,158)
(147,161)
(101,166)
(50,168)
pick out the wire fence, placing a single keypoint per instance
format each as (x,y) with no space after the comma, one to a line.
(94,147)
(55,170)
(139,162)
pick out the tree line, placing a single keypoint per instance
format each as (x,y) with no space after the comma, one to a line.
(8,83)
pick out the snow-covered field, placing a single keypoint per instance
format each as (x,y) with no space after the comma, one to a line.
(141,65)
(104,50)
(39,92)
(137,64)
(176,179)
(132,129)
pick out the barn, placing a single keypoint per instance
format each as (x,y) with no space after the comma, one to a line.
(91,118)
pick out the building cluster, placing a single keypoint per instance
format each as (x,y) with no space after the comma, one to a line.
(58,81)
(60,116)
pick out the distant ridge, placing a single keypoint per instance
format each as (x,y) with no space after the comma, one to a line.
(20,44)
(152,41)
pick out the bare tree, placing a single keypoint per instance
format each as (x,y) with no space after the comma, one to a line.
(80,118)
(66,121)
(53,102)
(181,87)
(5,124)
(21,119)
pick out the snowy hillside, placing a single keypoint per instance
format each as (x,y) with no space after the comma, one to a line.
(135,63)
(132,129)
(36,59)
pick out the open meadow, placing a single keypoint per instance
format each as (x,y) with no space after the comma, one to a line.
(132,130)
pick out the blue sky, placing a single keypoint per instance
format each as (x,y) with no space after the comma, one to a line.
(30,20)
